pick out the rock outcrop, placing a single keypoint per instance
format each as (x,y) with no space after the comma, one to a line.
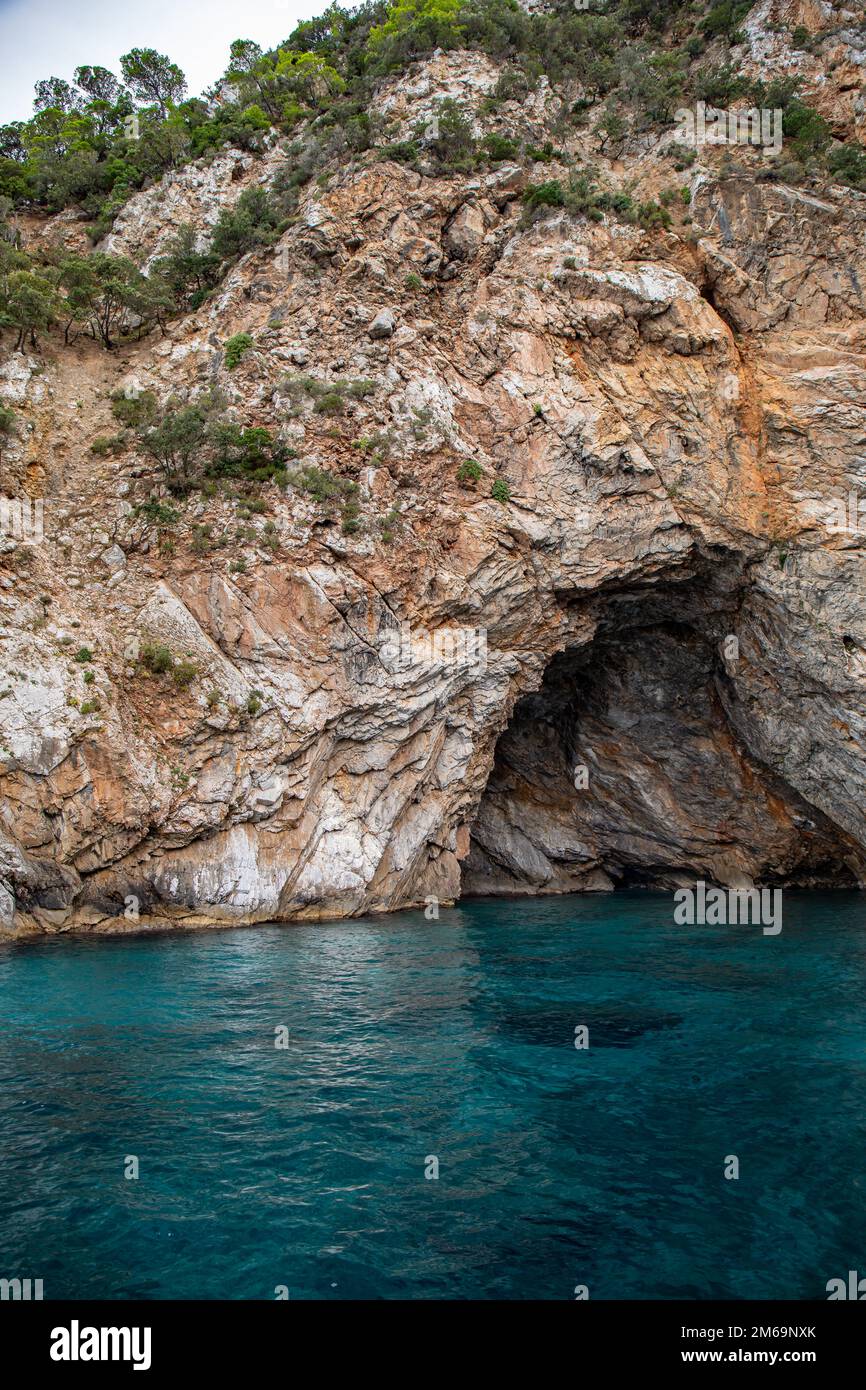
(643,574)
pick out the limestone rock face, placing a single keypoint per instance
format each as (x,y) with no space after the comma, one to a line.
(651,569)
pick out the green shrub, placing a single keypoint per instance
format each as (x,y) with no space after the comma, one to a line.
(255,220)
(413,28)
(453,145)
(543,154)
(235,348)
(188,273)
(498,147)
(183,673)
(581,197)
(807,129)
(159,513)
(388,523)
(134,411)
(848,164)
(255,117)
(724,19)
(351,510)
(719,84)
(500,491)
(201,539)
(377,446)
(101,290)
(176,442)
(84,654)
(322,486)
(681,155)
(469,472)
(653,83)
(254,453)
(612,125)
(511,85)
(403,152)
(111,444)
(331,493)
(156,658)
(328,396)
(545,195)
(651,216)
(358,389)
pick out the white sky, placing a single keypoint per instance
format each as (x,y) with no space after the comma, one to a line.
(51,38)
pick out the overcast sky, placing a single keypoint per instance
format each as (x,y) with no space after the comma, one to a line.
(51,38)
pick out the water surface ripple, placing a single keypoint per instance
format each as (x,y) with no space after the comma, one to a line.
(305,1166)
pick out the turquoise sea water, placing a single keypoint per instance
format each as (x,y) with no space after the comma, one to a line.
(305,1166)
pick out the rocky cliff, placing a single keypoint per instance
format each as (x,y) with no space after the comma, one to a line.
(574,607)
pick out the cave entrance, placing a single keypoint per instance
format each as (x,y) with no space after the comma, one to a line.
(622,770)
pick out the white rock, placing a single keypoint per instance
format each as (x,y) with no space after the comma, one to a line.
(382,325)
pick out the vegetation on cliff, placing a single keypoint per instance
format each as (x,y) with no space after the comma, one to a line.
(92,143)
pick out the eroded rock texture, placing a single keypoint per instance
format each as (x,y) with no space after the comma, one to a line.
(674,414)
(624,770)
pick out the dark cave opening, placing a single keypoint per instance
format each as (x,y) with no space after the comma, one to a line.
(622,769)
(707,292)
